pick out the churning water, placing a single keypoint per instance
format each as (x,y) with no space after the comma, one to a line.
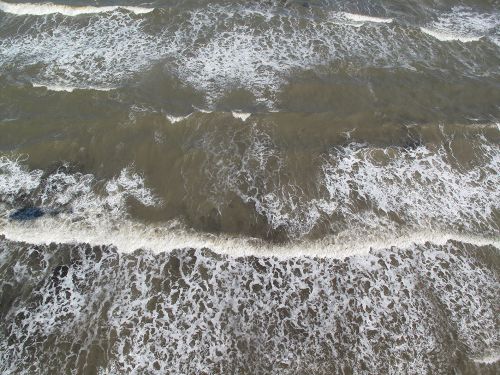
(250,187)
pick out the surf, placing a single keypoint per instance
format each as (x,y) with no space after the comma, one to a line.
(43,9)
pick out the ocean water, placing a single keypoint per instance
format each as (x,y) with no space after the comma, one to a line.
(250,187)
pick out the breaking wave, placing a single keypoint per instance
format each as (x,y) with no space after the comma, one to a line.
(359,196)
(464,25)
(286,187)
(219,47)
(192,311)
(79,196)
(43,9)
(358,185)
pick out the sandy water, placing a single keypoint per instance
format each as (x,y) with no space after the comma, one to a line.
(284,187)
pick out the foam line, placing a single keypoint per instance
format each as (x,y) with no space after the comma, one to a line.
(130,236)
(59,88)
(362,18)
(201,110)
(489,359)
(259,62)
(175,119)
(243,116)
(448,37)
(43,9)
(463,24)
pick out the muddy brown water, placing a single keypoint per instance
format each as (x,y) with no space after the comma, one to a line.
(266,187)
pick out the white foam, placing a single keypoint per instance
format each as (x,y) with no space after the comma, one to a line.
(243,116)
(61,88)
(43,9)
(128,236)
(368,191)
(101,218)
(362,187)
(15,180)
(201,110)
(375,283)
(446,36)
(462,24)
(76,193)
(489,358)
(190,311)
(419,185)
(363,18)
(175,119)
(102,54)
(253,53)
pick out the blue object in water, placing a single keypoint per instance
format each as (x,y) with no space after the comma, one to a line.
(27,213)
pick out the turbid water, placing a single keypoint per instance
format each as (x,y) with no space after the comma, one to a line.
(250,187)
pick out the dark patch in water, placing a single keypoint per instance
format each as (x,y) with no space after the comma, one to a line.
(412,143)
(58,275)
(27,213)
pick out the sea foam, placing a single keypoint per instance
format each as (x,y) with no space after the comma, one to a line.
(175,119)
(42,9)
(83,209)
(447,36)
(354,186)
(364,18)
(62,88)
(108,50)
(128,236)
(463,24)
(243,116)
(191,310)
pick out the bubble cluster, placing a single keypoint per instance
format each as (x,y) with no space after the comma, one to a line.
(73,196)
(219,47)
(355,187)
(415,310)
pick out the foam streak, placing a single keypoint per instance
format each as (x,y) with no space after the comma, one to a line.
(43,9)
